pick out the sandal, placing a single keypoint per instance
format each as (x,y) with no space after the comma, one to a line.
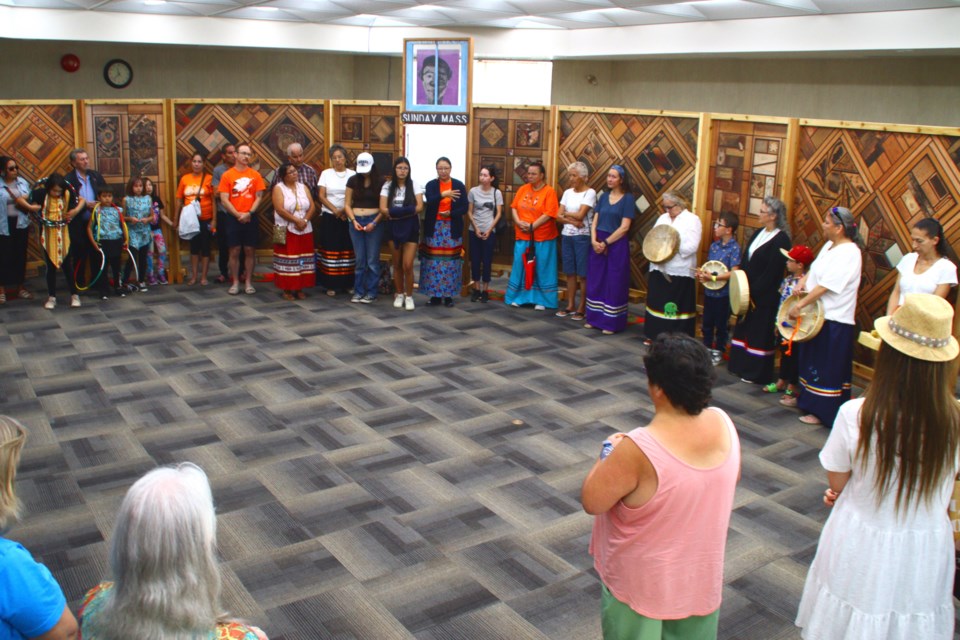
(221,280)
(3,297)
(789,400)
(234,290)
(204,283)
(331,293)
(249,290)
(288,296)
(577,317)
(772,388)
(301,295)
(563,313)
(24,294)
(809,419)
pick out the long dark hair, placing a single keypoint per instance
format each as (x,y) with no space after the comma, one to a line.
(910,420)
(933,229)
(408,196)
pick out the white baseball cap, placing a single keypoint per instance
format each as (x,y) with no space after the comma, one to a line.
(364,162)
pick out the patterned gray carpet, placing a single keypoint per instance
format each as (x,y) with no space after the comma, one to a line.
(378,474)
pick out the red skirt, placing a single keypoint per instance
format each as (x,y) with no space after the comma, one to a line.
(294,262)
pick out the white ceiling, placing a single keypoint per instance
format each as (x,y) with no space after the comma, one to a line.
(494,14)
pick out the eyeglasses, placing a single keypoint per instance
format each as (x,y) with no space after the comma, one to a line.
(12,168)
(719,225)
(667,207)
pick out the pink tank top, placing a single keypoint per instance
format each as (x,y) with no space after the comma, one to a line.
(665,558)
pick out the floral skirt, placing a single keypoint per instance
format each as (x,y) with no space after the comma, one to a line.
(441,264)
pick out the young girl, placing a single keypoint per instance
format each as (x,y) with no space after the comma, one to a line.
(158,265)
(106,230)
(483,214)
(137,214)
(798,260)
(401,200)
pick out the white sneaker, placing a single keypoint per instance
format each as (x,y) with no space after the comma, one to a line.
(356,298)
(514,304)
(74,301)
(408,303)
(539,307)
(398,301)
(50,303)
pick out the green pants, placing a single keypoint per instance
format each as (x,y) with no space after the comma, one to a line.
(620,622)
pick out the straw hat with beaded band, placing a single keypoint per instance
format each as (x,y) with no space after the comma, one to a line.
(921,329)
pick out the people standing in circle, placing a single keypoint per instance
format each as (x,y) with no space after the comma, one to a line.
(336,266)
(241,190)
(576,207)
(441,265)
(671,286)
(58,206)
(662,498)
(293,260)
(485,208)
(137,213)
(193,185)
(716,302)
(14,230)
(86,183)
(608,269)
(826,361)
(362,206)
(930,268)
(884,567)
(755,337)
(33,604)
(533,278)
(401,199)
(228,158)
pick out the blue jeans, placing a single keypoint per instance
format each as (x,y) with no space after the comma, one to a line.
(366,247)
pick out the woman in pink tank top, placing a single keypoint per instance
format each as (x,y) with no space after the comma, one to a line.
(662,500)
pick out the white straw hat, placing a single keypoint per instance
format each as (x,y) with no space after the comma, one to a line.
(921,328)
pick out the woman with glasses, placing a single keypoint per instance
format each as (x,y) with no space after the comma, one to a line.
(441,268)
(754,342)
(671,286)
(14,230)
(826,361)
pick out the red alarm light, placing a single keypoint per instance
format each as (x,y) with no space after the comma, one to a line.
(70,63)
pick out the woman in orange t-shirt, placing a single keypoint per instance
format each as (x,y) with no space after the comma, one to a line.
(533,278)
(195,184)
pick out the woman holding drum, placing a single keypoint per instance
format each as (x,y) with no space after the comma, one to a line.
(671,287)
(826,361)
(754,342)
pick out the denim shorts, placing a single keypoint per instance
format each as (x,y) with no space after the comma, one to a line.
(576,249)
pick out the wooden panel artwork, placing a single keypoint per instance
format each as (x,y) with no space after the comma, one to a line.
(889,181)
(371,128)
(659,153)
(509,139)
(267,127)
(747,163)
(39,138)
(126,140)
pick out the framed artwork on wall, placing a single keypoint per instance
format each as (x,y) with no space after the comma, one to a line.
(436,75)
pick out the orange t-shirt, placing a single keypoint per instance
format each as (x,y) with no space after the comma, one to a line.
(242,187)
(530,205)
(189,187)
(443,210)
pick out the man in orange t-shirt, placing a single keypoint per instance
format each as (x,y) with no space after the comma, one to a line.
(241,189)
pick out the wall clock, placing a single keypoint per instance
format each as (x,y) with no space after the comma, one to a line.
(118,73)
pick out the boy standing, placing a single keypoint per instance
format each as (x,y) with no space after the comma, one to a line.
(716,302)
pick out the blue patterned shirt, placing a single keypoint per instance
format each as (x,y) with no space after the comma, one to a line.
(788,287)
(728,254)
(107,225)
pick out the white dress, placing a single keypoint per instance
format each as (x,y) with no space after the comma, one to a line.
(877,575)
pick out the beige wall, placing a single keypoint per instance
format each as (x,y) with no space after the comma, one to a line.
(193,72)
(916,90)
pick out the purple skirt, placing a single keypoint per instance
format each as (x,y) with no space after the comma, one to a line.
(608,285)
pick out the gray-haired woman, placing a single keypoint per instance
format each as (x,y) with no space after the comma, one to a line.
(576,206)
(754,341)
(164,565)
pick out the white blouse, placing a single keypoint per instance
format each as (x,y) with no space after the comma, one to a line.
(940,272)
(297,203)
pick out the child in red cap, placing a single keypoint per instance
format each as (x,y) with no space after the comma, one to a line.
(799,259)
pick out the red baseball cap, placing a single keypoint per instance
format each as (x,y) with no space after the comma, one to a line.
(799,253)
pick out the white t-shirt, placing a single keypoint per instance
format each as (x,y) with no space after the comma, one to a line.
(336,186)
(399,196)
(572,201)
(684,264)
(837,268)
(940,272)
